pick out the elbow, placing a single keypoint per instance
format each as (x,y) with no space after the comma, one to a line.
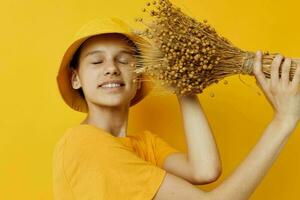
(207,177)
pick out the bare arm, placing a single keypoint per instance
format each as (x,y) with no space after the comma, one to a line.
(201,164)
(242,182)
(284,96)
(202,156)
(251,171)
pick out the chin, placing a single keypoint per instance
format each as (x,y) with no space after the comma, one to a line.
(113,102)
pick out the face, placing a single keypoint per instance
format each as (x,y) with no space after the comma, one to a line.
(106,58)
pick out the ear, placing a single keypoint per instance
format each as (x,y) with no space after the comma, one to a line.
(75,80)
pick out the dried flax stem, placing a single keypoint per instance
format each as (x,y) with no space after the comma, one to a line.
(187,55)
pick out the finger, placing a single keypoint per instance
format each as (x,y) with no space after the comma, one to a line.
(275,70)
(296,78)
(285,72)
(261,88)
(259,75)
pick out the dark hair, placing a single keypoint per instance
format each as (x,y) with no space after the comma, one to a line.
(74,63)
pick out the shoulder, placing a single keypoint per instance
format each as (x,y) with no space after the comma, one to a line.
(150,135)
(86,133)
(82,138)
(145,135)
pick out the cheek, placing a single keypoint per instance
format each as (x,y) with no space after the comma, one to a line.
(134,87)
(131,86)
(130,81)
(89,81)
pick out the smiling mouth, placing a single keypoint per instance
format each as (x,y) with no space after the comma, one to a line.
(112,88)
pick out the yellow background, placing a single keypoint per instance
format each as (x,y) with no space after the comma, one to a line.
(34,35)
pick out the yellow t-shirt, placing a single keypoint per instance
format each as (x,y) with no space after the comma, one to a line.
(91,164)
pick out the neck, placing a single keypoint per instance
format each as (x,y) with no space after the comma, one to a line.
(112,119)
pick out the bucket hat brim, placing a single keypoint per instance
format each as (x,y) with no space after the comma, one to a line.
(97,26)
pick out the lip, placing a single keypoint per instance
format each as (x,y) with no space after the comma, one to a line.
(112,89)
(112,81)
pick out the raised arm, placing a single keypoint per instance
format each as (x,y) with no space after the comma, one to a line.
(284,97)
(202,158)
(201,164)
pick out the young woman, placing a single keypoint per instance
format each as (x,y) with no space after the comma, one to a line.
(97,159)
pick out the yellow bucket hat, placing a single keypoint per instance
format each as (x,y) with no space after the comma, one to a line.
(95,27)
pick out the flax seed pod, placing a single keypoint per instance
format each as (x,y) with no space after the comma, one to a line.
(191,52)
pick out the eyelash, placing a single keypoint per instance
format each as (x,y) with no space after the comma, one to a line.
(126,62)
(97,62)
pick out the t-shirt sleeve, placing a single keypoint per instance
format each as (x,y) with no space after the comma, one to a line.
(99,167)
(161,148)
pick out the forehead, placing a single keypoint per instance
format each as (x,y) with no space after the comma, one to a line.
(112,41)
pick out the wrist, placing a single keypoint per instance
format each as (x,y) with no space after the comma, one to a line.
(186,97)
(285,121)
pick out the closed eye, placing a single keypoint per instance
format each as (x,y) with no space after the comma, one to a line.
(124,62)
(97,62)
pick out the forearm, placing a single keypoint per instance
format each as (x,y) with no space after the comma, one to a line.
(243,181)
(203,154)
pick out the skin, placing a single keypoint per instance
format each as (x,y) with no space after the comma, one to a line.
(202,149)
(109,111)
(284,97)
(106,110)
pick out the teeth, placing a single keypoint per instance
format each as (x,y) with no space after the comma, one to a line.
(111,85)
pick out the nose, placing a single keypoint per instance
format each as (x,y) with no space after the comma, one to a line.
(112,69)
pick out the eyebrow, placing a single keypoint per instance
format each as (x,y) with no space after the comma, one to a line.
(100,51)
